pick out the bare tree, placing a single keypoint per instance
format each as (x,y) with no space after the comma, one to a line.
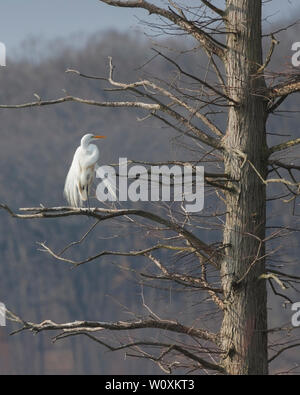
(232,273)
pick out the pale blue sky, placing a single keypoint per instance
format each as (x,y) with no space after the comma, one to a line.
(51,19)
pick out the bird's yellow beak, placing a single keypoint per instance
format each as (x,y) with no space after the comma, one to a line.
(99,137)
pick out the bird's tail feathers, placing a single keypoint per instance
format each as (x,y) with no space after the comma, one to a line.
(71,191)
(83,192)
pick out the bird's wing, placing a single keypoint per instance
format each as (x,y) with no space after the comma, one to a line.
(71,190)
(87,160)
(85,181)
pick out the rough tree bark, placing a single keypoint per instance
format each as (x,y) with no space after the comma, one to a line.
(244,326)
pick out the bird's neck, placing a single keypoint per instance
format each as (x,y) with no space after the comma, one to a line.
(90,154)
(85,145)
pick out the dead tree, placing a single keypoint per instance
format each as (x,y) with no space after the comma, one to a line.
(232,39)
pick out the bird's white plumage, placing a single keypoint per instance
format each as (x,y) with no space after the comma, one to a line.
(82,171)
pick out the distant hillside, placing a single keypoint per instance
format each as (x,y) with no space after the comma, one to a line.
(36,147)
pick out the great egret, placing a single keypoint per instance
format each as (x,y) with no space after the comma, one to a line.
(82,171)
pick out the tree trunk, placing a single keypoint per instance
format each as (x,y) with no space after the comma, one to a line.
(244,327)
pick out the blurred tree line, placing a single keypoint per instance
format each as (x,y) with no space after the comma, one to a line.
(36,147)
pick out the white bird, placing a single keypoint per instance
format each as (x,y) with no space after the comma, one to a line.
(82,171)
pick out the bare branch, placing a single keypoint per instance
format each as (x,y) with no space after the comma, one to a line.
(274,277)
(282,350)
(208,177)
(208,42)
(284,165)
(276,293)
(169,95)
(158,105)
(290,276)
(185,279)
(179,163)
(81,239)
(285,88)
(283,146)
(169,347)
(274,42)
(273,180)
(45,248)
(95,326)
(204,83)
(185,122)
(277,103)
(105,214)
(213,8)
(281,29)
(145,106)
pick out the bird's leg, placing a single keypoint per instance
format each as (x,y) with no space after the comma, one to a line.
(88,199)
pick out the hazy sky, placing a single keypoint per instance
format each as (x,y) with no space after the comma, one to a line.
(62,18)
